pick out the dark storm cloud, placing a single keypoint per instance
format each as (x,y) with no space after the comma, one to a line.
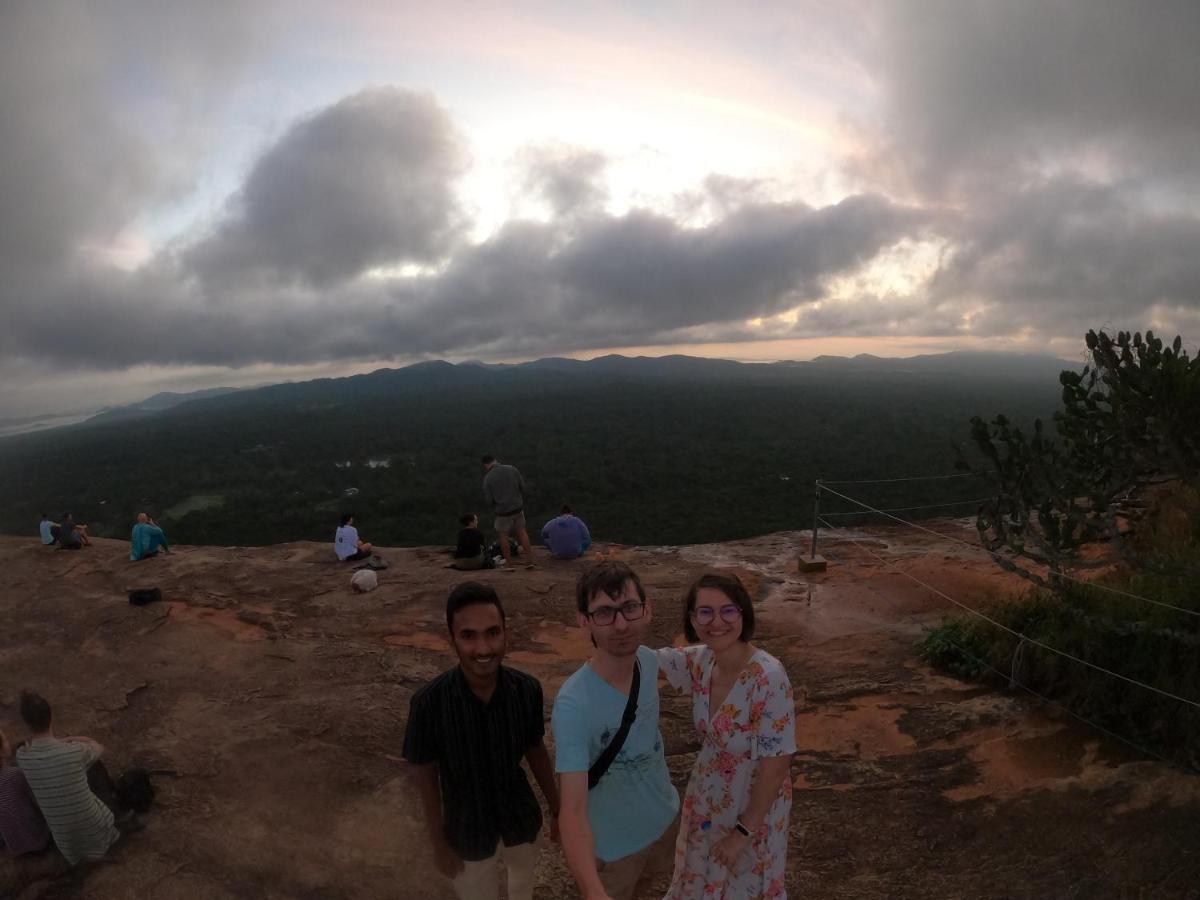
(758,260)
(1066,135)
(638,278)
(368,181)
(82,151)
(1048,148)
(1066,251)
(567,179)
(978,88)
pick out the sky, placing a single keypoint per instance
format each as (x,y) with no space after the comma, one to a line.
(227,193)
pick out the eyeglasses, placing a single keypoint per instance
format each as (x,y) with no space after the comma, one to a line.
(706,615)
(606,615)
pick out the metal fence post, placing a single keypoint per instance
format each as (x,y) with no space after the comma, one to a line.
(816,517)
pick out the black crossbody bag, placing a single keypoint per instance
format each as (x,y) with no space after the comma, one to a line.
(600,766)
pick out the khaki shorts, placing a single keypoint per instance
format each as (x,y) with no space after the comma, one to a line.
(481,880)
(507,524)
(620,876)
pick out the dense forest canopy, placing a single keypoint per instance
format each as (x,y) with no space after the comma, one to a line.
(666,451)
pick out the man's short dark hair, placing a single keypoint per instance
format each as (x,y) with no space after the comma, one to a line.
(44,516)
(470,593)
(346,517)
(733,589)
(35,711)
(608,577)
(488,459)
(466,519)
(566,510)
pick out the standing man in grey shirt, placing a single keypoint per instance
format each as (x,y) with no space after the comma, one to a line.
(504,490)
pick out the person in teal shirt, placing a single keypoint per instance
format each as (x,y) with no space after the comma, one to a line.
(147,537)
(608,831)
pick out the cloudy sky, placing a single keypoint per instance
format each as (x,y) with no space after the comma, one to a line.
(208,193)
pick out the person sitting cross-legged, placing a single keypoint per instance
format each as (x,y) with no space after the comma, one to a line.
(470,551)
(70,784)
(346,543)
(48,530)
(146,539)
(566,536)
(72,535)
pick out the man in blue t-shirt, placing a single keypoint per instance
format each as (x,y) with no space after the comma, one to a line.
(566,536)
(607,832)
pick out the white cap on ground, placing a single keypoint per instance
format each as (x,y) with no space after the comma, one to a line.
(364,580)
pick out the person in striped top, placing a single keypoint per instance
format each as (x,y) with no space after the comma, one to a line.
(83,827)
(22,828)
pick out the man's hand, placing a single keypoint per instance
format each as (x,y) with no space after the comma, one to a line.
(728,849)
(447,861)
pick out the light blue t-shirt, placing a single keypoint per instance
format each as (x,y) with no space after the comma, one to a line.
(47,531)
(635,802)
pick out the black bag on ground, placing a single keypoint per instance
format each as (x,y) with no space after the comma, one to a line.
(134,790)
(142,596)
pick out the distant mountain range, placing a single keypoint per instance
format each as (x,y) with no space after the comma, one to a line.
(1000,366)
(439,375)
(157,403)
(671,449)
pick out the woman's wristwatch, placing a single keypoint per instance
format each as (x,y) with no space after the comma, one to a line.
(742,829)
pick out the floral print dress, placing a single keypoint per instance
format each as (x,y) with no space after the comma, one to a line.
(757,719)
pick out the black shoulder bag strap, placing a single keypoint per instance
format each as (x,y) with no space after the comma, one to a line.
(600,766)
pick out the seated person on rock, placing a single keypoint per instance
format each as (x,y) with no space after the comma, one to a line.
(346,544)
(72,535)
(566,536)
(147,537)
(70,784)
(471,551)
(49,530)
(23,829)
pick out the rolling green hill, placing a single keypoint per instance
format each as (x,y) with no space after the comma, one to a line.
(667,450)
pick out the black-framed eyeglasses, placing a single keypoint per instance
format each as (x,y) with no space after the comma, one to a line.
(706,615)
(606,615)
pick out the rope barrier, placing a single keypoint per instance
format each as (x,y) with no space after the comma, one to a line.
(911,478)
(995,555)
(863,512)
(1017,634)
(1013,682)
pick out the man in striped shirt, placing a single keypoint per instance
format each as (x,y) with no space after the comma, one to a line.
(57,771)
(466,735)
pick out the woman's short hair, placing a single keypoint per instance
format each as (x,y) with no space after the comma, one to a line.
(736,593)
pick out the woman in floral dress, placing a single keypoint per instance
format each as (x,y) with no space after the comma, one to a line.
(733,833)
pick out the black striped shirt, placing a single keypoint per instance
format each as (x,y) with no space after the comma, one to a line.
(478,747)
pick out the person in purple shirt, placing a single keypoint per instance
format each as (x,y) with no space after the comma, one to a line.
(23,829)
(566,536)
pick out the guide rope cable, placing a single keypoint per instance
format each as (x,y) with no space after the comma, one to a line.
(1017,634)
(1089,584)
(1146,751)
(910,478)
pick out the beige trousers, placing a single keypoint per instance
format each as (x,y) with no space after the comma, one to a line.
(480,880)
